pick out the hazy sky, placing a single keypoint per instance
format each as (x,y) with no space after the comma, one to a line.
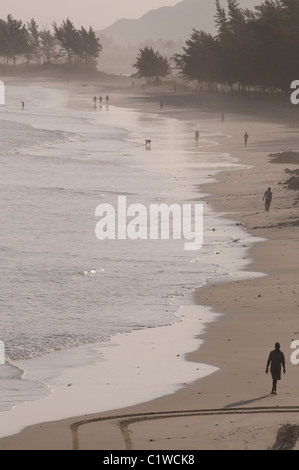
(95,13)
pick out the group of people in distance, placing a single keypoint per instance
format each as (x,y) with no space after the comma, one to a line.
(101,100)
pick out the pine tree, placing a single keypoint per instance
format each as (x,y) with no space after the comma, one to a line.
(14,39)
(34,51)
(89,47)
(151,65)
(68,38)
(47,45)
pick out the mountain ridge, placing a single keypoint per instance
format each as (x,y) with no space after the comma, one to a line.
(173,23)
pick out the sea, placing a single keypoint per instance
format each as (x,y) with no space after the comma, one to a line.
(61,287)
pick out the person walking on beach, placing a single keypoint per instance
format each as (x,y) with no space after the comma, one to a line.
(275,361)
(196,136)
(268,199)
(23,104)
(107,99)
(246,138)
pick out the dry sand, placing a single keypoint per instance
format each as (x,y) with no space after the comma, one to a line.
(231,409)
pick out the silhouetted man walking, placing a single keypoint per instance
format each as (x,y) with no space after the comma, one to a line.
(268,199)
(275,361)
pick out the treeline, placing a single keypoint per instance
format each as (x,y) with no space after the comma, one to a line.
(252,49)
(64,44)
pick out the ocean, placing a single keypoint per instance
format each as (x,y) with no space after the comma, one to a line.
(62,287)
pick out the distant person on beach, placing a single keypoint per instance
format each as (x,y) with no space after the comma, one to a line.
(246,138)
(268,199)
(23,104)
(161,104)
(222,117)
(100,99)
(196,136)
(94,99)
(107,99)
(275,361)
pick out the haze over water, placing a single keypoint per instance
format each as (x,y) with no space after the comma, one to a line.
(60,158)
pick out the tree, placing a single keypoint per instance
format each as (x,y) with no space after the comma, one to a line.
(68,38)
(47,45)
(17,40)
(201,58)
(14,39)
(79,45)
(221,21)
(252,49)
(89,47)
(151,65)
(34,51)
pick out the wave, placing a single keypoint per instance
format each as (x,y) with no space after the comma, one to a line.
(18,138)
(15,388)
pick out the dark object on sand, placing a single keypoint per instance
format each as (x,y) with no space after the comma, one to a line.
(246,136)
(268,199)
(275,361)
(288,156)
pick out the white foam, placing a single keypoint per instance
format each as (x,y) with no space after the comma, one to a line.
(129,369)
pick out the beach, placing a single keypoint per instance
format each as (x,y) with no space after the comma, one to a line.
(230,408)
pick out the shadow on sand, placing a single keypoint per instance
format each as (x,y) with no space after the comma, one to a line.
(248,402)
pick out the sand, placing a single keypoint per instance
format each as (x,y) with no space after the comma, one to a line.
(232,409)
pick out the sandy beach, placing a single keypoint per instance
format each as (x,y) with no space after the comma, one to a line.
(231,409)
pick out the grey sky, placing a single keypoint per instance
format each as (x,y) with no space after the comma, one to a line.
(96,13)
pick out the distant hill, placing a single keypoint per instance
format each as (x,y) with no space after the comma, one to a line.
(173,23)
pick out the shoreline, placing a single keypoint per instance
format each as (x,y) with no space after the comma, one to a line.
(231,340)
(181,372)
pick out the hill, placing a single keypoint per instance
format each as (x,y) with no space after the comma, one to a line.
(173,23)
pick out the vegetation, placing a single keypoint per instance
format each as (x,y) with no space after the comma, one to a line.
(14,39)
(65,44)
(151,65)
(252,49)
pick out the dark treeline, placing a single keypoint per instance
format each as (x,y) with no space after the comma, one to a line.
(252,49)
(64,44)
